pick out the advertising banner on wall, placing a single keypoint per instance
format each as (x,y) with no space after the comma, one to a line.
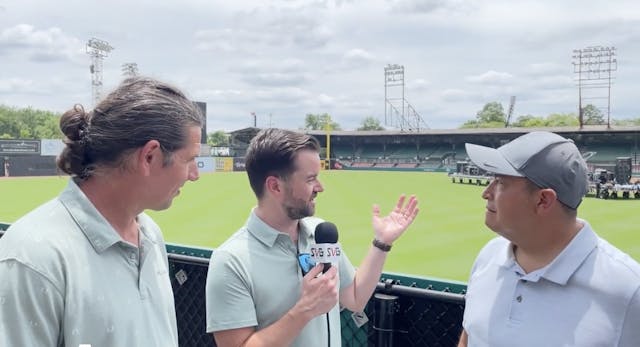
(224,164)
(205,164)
(19,147)
(238,164)
(51,147)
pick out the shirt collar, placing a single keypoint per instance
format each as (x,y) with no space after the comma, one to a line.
(564,265)
(570,259)
(268,235)
(505,256)
(95,227)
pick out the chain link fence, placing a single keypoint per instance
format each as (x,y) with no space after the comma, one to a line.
(404,311)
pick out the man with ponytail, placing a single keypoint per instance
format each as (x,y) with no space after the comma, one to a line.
(90,267)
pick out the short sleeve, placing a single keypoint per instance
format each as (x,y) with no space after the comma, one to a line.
(31,307)
(630,335)
(228,294)
(347,271)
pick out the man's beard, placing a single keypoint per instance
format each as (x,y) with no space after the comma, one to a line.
(298,208)
(300,211)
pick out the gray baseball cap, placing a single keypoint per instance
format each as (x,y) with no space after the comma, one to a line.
(547,159)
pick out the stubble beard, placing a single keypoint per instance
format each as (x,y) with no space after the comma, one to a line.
(300,211)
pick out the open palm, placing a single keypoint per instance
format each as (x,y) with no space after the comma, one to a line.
(390,227)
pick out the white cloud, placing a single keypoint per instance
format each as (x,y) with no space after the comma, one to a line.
(455,94)
(287,58)
(418,84)
(288,72)
(356,58)
(491,77)
(325,100)
(218,95)
(17,85)
(431,6)
(46,45)
(537,69)
(215,40)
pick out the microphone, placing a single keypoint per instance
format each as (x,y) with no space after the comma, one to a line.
(327,249)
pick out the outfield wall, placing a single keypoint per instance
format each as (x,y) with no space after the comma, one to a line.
(412,169)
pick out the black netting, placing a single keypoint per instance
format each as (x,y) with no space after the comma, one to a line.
(188,279)
(406,320)
(397,315)
(427,322)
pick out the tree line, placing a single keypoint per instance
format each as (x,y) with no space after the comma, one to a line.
(30,123)
(492,115)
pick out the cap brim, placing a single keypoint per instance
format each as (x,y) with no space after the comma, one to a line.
(491,160)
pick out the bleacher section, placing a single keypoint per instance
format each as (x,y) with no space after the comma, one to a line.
(384,165)
(407,165)
(343,152)
(361,164)
(401,151)
(371,151)
(439,150)
(608,153)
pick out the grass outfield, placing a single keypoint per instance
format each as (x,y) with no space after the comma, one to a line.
(442,242)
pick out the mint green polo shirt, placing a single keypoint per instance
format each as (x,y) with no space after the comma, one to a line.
(254,278)
(67,278)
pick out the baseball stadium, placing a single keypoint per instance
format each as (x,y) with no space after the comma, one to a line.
(420,298)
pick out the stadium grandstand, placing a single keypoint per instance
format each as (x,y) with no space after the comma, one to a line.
(439,150)
(427,150)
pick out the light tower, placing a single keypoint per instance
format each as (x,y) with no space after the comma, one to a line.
(398,112)
(594,67)
(97,49)
(130,69)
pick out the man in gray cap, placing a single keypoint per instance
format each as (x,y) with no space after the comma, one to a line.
(548,279)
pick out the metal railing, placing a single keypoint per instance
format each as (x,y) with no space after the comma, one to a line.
(404,310)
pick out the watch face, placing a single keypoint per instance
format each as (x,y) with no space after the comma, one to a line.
(306,262)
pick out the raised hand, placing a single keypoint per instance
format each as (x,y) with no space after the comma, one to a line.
(388,228)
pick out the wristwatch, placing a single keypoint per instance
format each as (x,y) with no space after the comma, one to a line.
(381,245)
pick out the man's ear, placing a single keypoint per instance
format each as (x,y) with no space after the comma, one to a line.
(273,185)
(149,156)
(547,198)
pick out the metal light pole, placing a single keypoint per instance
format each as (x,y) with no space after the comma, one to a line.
(593,67)
(97,49)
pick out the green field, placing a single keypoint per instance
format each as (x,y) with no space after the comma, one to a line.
(442,242)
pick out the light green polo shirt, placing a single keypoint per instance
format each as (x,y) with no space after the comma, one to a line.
(254,278)
(67,278)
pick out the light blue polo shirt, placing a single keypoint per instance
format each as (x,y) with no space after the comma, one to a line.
(589,295)
(254,278)
(67,278)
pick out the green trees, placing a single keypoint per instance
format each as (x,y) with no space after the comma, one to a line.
(370,123)
(320,122)
(592,115)
(626,122)
(218,139)
(491,116)
(552,120)
(28,123)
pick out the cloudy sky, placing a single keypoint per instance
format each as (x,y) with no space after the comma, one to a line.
(283,59)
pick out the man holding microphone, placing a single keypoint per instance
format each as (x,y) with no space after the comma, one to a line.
(257,293)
